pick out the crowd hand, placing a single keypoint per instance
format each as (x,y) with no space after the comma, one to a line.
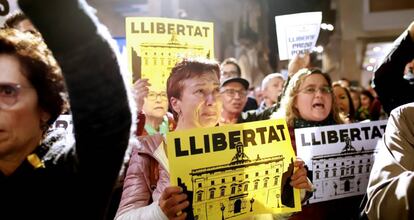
(172,202)
(299,179)
(140,91)
(298,62)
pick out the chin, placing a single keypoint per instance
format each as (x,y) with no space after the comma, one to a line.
(209,123)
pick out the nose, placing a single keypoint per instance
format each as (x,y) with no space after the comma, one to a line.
(318,92)
(158,98)
(212,98)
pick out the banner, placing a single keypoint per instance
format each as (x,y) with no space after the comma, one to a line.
(297,33)
(339,157)
(235,171)
(155,45)
(7,7)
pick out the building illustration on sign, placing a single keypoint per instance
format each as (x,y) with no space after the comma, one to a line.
(162,57)
(342,174)
(232,189)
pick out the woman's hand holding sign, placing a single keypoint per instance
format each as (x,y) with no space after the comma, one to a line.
(172,202)
(299,179)
(140,91)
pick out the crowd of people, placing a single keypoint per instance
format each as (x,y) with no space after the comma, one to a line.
(60,59)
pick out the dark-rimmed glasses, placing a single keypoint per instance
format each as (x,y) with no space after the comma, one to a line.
(232,92)
(154,95)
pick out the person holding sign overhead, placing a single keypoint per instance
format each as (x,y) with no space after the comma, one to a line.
(152,106)
(193,89)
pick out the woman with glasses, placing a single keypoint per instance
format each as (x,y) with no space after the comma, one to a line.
(193,89)
(41,175)
(152,106)
(309,101)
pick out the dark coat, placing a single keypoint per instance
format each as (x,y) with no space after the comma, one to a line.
(392,89)
(76,182)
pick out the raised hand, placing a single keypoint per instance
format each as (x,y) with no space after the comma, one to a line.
(140,91)
(298,62)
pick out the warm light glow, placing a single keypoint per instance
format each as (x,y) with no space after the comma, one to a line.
(376,49)
(370,68)
(330,27)
(318,49)
(372,60)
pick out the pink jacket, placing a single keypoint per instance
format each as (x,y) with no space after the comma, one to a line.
(137,191)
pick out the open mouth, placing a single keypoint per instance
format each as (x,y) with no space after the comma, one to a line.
(318,105)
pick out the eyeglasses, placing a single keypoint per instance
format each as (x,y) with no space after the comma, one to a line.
(313,90)
(232,92)
(154,95)
(9,93)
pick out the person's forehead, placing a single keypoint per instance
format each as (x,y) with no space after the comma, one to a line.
(316,79)
(229,67)
(276,80)
(203,79)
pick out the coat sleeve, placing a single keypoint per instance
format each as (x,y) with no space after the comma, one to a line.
(97,92)
(391,185)
(136,191)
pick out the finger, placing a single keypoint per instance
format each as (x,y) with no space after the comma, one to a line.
(299,162)
(182,216)
(141,83)
(178,208)
(299,173)
(174,200)
(299,181)
(169,191)
(302,186)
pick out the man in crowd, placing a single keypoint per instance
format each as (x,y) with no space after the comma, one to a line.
(230,69)
(234,95)
(272,87)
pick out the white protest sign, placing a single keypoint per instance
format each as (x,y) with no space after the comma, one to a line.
(64,124)
(297,33)
(7,7)
(339,157)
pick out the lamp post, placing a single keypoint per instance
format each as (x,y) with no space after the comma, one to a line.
(222,207)
(251,204)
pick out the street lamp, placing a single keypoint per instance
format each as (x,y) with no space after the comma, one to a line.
(251,204)
(222,207)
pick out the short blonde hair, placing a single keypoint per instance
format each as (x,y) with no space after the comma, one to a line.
(287,108)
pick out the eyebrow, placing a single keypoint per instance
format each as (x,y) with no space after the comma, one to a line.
(315,85)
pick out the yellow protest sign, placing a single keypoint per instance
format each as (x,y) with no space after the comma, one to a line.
(235,171)
(155,45)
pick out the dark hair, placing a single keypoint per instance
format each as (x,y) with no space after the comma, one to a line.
(39,67)
(368,94)
(13,19)
(187,69)
(232,60)
(352,109)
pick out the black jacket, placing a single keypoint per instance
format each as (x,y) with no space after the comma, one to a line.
(77,180)
(392,89)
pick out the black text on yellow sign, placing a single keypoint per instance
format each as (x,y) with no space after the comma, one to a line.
(169,28)
(221,141)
